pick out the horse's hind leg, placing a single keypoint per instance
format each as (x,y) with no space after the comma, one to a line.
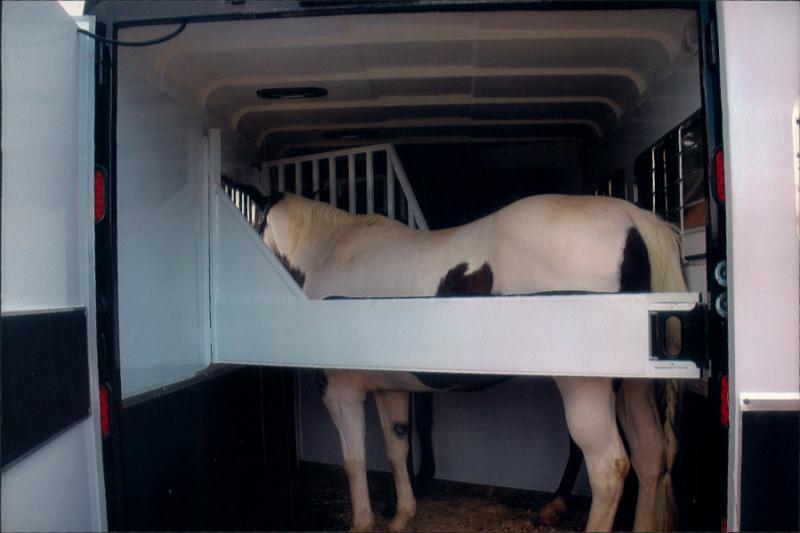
(344,395)
(589,406)
(638,415)
(393,411)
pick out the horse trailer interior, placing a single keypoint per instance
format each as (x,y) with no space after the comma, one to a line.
(131,265)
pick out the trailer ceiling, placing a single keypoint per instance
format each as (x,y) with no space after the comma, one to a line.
(420,77)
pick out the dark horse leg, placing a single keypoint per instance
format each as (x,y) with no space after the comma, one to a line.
(423,414)
(552,512)
(422,405)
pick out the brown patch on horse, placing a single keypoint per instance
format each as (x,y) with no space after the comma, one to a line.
(634,270)
(622,466)
(458,283)
(298,275)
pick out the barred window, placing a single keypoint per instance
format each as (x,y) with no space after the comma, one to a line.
(670,176)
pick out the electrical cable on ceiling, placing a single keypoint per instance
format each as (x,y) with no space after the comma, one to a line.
(135,43)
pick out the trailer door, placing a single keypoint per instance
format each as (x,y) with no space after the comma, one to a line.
(52,473)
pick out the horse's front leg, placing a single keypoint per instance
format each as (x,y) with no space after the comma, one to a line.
(590,410)
(393,411)
(344,397)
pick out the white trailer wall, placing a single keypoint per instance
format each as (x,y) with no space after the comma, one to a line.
(162,176)
(48,245)
(760,79)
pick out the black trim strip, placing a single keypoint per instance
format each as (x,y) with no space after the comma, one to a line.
(211,372)
(45,378)
(394,7)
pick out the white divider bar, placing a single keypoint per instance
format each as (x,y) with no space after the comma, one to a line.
(389,189)
(415,213)
(533,335)
(315,176)
(370,184)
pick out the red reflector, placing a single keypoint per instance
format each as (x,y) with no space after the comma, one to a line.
(719,171)
(724,409)
(99,195)
(105,421)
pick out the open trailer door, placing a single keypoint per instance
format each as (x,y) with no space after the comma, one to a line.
(52,476)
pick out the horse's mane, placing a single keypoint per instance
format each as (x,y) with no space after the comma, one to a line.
(309,220)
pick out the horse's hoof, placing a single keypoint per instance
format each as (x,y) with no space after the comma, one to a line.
(400,525)
(367,524)
(550,514)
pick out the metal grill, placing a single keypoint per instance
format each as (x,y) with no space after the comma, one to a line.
(671,176)
(361,180)
(241,199)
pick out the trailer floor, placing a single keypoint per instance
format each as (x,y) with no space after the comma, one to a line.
(321,503)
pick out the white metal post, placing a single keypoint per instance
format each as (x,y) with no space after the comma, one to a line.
(315,176)
(759,48)
(370,185)
(389,188)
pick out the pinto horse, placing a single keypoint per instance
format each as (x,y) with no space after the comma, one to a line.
(540,243)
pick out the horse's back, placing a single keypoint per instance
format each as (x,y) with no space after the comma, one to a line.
(559,242)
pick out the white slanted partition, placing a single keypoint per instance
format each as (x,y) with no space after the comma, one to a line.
(260,316)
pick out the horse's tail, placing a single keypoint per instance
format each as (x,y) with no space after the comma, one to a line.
(663,247)
(666,275)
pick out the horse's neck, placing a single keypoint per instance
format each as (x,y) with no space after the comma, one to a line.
(312,226)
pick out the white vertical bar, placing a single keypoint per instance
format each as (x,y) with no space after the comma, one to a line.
(351,182)
(408,194)
(332,179)
(298,178)
(389,187)
(281,179)
(214,173)
(681,202)
(370,186)
(764,346)
(315,176)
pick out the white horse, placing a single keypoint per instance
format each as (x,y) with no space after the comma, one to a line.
(541,243)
